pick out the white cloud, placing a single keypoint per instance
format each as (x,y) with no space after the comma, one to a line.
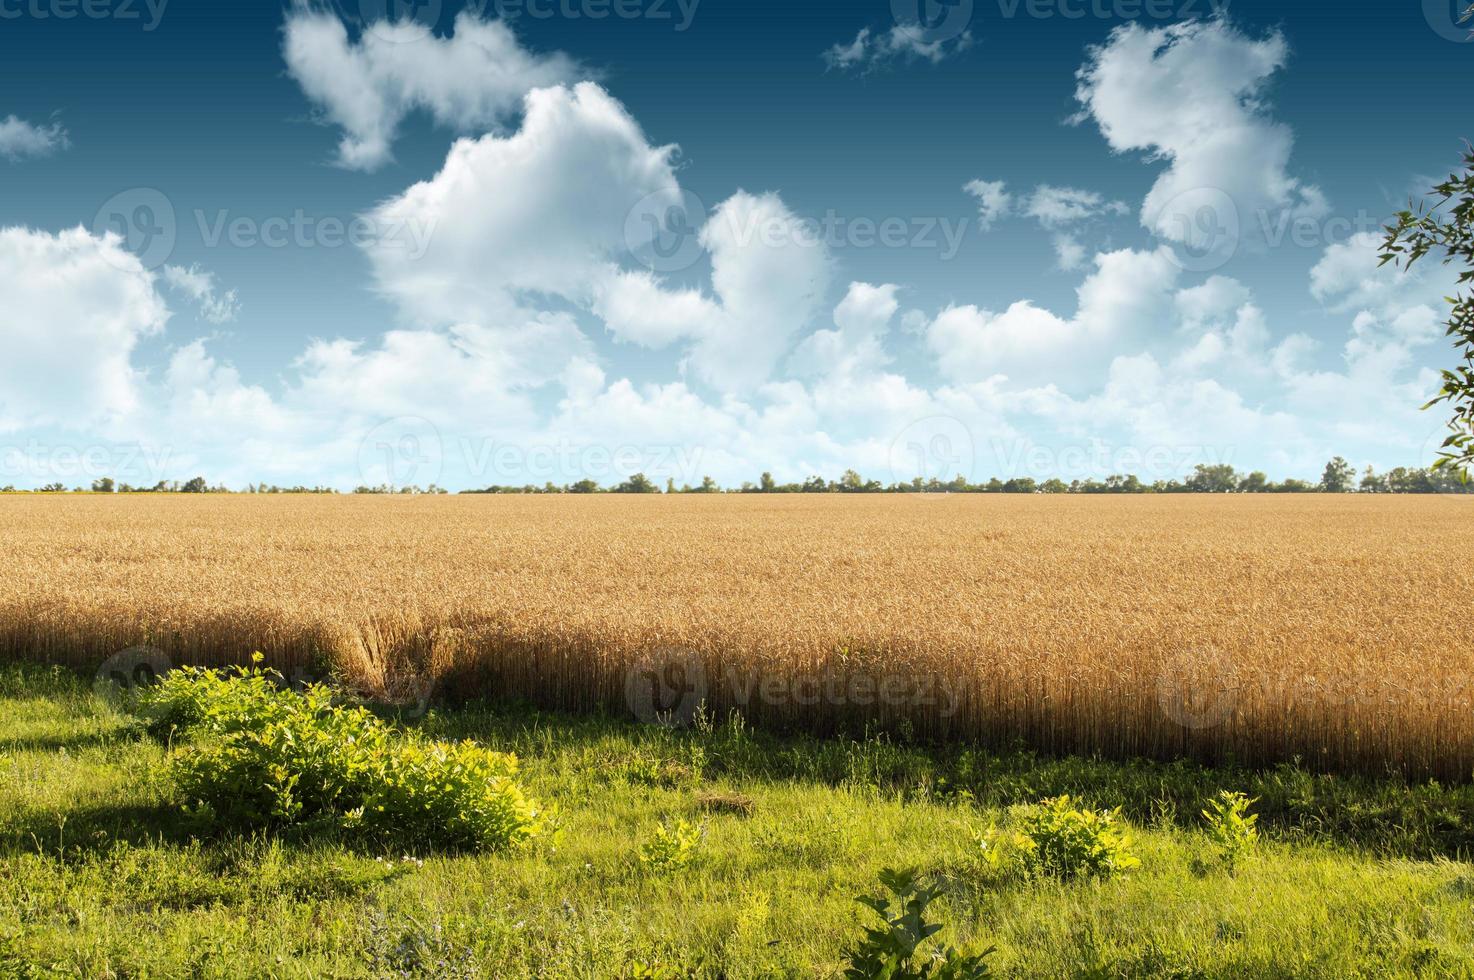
(769,272)
(199,285)
(473,80)
(1054,207)
(1192,94)
(994,201)
(770,276)
(1404,307)
(546,212)
(75,308)
(863,317)
(1211,302)
(20,139)
(638,309)
(901,43)
(1069,254)
(515,220)
(1123,298)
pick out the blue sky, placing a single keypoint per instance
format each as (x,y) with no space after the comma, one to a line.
(965,248)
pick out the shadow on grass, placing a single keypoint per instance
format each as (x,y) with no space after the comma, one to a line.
(1384,816)
(89,828)
(65,743)
(1388,816)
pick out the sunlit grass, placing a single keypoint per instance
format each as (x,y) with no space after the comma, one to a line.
(100,876)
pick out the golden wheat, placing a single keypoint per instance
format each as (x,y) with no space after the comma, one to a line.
(1333,628)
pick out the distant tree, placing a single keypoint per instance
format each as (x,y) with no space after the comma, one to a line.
(1021,484)
(1339,476)
(196,485)
(766,484)
(1217,478)
(639,483)
(1255,482)
(104,485)
(584,486)
(1117,483)
(1449,231)
(1055,485)
(851,482)
(814,484)
(1372,483)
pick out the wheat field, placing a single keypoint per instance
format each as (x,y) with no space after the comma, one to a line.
(1335,629)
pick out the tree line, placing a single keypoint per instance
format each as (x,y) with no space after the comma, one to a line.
(1339,477)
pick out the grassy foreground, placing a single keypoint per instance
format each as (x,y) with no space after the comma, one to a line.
(101,874)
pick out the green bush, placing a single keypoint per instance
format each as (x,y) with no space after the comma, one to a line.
(1231,827)
(1061,841)
(260,755)
(672,847)
(889,951)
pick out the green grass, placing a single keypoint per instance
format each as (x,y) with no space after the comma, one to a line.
(101,874)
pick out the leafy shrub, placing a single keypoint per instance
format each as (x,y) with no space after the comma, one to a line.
(191,697)
(1231,827)
(1061,841)
(671,848)
(262,755)
(888,951)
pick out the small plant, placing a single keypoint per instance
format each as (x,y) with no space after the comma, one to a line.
(889,951)
(1231,827)
(999,851)
(672,847)
(1061,841)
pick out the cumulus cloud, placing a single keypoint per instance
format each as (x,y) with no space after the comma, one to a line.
(472,80)
(20,139)
(1124,297)
(199,285)
(863,318)
(76,307)
(769,272)
(540,211)
(903,42)
(1192,94)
